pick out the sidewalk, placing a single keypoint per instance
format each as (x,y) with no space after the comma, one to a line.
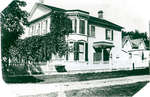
(34,89)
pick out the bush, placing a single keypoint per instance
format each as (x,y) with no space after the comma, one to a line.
(60,68)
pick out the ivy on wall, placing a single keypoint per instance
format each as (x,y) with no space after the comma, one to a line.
(40,48)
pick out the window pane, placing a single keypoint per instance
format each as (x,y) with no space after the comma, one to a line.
(109,34)
(38,29)
(92,30)
(74,23)
(81,48)
(97,56)
(82,27)
(45,26)
(81,56)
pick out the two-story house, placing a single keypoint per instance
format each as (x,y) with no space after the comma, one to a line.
(95,42)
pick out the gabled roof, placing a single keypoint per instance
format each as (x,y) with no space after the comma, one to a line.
(78,10)
(104,23)
(52,7)
(135,43)
(91,19)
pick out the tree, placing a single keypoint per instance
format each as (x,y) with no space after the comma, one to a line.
(13,19)
(60,27)
(40,48)
(135,34)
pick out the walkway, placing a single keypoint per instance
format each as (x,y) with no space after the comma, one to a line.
(34,89)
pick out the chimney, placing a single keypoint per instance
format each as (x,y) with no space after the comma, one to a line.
(100,14)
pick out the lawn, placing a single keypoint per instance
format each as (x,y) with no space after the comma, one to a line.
(115,91)
(91,76)
(74,77)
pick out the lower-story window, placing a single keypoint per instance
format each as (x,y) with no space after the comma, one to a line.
(81,51)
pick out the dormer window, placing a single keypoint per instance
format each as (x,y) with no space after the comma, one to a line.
(109,34)
(82,27)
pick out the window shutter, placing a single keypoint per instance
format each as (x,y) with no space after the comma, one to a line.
(86,51)
(76,51)
(67,53)
(112,35)
(88,30)
(83,28)
(106,34)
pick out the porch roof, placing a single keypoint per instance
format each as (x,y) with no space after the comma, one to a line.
(103,44)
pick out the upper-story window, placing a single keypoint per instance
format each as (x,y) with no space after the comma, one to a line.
(38,29)
(44,28)
(82,27)
(32,30)
(74,25)
(92,30)
(109,34)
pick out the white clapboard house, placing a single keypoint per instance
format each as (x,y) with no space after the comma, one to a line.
(137,51)
(98,41)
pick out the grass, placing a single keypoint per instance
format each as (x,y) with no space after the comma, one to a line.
(118,90)
(74,77)
(91,76)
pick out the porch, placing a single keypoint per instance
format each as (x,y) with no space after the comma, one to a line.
(102,54)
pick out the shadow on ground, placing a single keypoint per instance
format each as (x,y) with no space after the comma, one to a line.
(21,79)
(127,90)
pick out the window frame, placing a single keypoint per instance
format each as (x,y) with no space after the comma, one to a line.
(92,31)
(82,27)
(74,25)
(111,34)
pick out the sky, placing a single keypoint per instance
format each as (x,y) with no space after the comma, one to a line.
(131,14)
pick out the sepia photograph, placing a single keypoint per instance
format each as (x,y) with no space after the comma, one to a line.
(74,48)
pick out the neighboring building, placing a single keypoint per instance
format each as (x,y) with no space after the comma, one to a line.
(137,50)
(95,42)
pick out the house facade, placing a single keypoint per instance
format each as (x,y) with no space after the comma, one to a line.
(137,50)
(95,42)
